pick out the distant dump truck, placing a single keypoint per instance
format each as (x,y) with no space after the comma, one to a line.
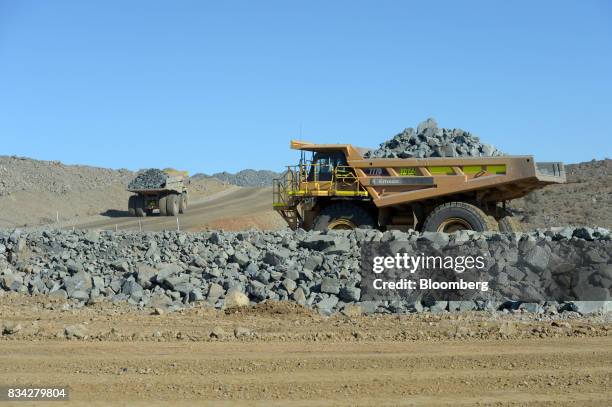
(337,188)
(158,189)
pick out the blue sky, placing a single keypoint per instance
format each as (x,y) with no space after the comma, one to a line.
(211,86)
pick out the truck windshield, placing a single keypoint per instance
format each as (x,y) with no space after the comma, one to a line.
(324,164)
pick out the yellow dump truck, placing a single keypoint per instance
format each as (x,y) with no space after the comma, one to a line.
(162,190)
(335,187)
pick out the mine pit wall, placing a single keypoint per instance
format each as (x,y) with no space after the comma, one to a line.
(172,270)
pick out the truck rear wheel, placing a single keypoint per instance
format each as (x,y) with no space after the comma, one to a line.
(343,216)
(172,204)
(162,205)
(132,205)
(453,216)
(140,207)
(183,203)
(510,224)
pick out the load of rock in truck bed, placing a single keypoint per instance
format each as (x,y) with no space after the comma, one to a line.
(431,141)
(149,179)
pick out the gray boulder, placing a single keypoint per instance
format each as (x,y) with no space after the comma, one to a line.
(167,270)
(78,286)
(277,256)
(330,285)
(215,292)
(350,294)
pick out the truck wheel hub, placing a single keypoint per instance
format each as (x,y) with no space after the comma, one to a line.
(341,224)
(451,225)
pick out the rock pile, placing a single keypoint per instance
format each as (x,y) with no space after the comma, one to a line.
(170,270)
(245,178)
(20,174)
(430,141)
(149,179)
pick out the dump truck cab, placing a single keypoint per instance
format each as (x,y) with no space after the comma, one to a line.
(335,187)
(321,176)
(324,164)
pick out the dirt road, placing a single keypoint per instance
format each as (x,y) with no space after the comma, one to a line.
(234,209)
(280,354)
(561,371)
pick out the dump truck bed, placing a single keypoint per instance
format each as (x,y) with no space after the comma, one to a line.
(395,181)
(172,184)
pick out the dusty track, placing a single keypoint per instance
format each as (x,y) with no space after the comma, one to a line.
(563,371)
(292,356)
(239,208)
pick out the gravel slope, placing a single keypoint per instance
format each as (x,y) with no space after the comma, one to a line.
(20,174)
(244,178)
(586,199)
(34,192)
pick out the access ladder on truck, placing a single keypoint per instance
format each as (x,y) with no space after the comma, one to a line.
(284,201)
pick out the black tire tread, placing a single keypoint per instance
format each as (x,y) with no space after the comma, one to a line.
(356,214)
(162,206)
(132,205)
(172,207)
(140,206)
(488,221)
(183,203)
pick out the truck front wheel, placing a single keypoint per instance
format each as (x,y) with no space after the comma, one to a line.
(162,205)
(172,205)
(140,206)
(343,216)
(132,205)
(183,203)
(453,216)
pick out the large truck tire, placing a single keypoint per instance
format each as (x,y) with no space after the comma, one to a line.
(132,205)
(162,205)
(343,216)
(453,216)
(140,207)
(183,203)
(510,224)
(172,205)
